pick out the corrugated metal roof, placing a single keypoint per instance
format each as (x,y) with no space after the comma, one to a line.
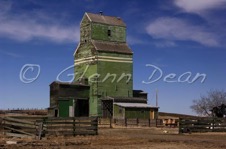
(105,19)
(114,47)
(134,105)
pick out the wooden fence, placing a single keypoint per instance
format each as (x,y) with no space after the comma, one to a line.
(40,127)
(108,122)
(70,126)
(189,125)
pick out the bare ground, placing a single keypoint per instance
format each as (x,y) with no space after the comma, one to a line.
(134,138)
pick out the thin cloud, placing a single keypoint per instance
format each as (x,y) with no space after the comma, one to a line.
(199,6)
(11,54)
(25,27)
(165,44)
(174,29)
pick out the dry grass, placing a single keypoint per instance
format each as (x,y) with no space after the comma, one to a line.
(127,138)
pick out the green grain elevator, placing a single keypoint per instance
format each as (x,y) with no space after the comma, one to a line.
(104,59)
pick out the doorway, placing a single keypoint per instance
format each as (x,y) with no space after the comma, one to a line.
(82,108)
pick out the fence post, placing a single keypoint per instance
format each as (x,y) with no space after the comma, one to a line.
(137,122)
(149,122)
(180,127)
(110,122)
(40,130)
(126,122)
(3,126)
(74,126)
(96,124)
(99,120)
(213,124)
(156,122)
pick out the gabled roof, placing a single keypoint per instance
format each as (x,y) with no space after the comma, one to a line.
(99,18)
(114,47)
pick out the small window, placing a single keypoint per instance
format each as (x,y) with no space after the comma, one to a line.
(109,32)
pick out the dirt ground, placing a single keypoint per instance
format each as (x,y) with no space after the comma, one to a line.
(133,138)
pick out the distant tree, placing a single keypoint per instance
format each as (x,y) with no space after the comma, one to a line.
(205,104)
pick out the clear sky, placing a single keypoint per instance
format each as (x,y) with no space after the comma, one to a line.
(176,36)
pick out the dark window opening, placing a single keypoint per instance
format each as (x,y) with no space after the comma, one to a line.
(55,113)
(109,32)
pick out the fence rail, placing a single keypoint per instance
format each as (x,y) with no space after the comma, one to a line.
(129,122)
(202,125)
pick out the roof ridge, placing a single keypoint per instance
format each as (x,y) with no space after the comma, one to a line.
(104,19)
(101,15)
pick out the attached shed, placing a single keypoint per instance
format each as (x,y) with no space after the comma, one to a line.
(134,110)
(69,99)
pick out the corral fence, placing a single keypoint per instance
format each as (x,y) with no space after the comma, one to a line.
(189,125)
(129,122)
(45,126)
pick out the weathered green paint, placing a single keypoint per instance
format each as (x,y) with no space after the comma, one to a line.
(125,112)
(115,79)
(100,32)
(85,30)
(137,113)
(119,112)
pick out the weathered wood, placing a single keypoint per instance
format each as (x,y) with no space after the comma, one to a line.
(62,122)
(75,126)
(20,125)
(50,128)
(202,125)
(20,131)
(40,131)
(71,118)
(19,135)
(72,133)
(18,120)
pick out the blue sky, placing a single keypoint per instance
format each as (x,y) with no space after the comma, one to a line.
(177,36)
